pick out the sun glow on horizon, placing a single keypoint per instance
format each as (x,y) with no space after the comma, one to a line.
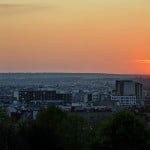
(144,61)
(110,36)
(143,66)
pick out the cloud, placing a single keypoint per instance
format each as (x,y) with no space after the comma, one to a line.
(21,8)
(144,61)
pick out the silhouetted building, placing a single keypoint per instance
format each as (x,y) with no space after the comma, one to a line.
(128,88)
(147,101)
(128,92)
(89,97)
(33,95)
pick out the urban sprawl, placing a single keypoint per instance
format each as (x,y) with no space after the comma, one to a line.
(23,95)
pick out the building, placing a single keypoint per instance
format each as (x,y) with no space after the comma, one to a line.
(129,88)
(124,100)
(43,95)
(147,101)
(80,97)
(96,96)
(128,92)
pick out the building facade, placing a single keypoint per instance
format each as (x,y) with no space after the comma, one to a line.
(43,95)
(124,100)
(128,92)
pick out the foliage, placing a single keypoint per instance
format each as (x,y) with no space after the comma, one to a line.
(73,133)
(58,130)
(124,131)
(42,132)
(6,131)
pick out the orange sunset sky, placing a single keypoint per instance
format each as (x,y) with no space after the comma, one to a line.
(109,36)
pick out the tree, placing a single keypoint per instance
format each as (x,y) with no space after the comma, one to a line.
(73,132)
(57,130)
(6,131)
(43,132)
(123,131)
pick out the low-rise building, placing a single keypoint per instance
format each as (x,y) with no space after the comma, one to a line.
(124,100)
(43,95)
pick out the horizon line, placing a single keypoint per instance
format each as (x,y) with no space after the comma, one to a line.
(25,72)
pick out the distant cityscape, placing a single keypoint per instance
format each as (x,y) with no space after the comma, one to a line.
(26,93)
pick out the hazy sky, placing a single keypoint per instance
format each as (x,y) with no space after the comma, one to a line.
(111,36)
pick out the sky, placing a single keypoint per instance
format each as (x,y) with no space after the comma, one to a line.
(101,36)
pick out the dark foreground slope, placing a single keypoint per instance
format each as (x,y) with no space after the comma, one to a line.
(55,129)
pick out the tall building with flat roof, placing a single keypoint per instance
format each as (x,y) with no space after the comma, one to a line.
(129,88)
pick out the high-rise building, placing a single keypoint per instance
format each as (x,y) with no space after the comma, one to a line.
(129,88)
(128,92)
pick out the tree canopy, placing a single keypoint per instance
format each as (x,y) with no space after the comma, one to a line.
(59,130)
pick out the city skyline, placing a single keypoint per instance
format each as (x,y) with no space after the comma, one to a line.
(75,36)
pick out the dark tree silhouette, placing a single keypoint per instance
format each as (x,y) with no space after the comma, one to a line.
(123,131)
